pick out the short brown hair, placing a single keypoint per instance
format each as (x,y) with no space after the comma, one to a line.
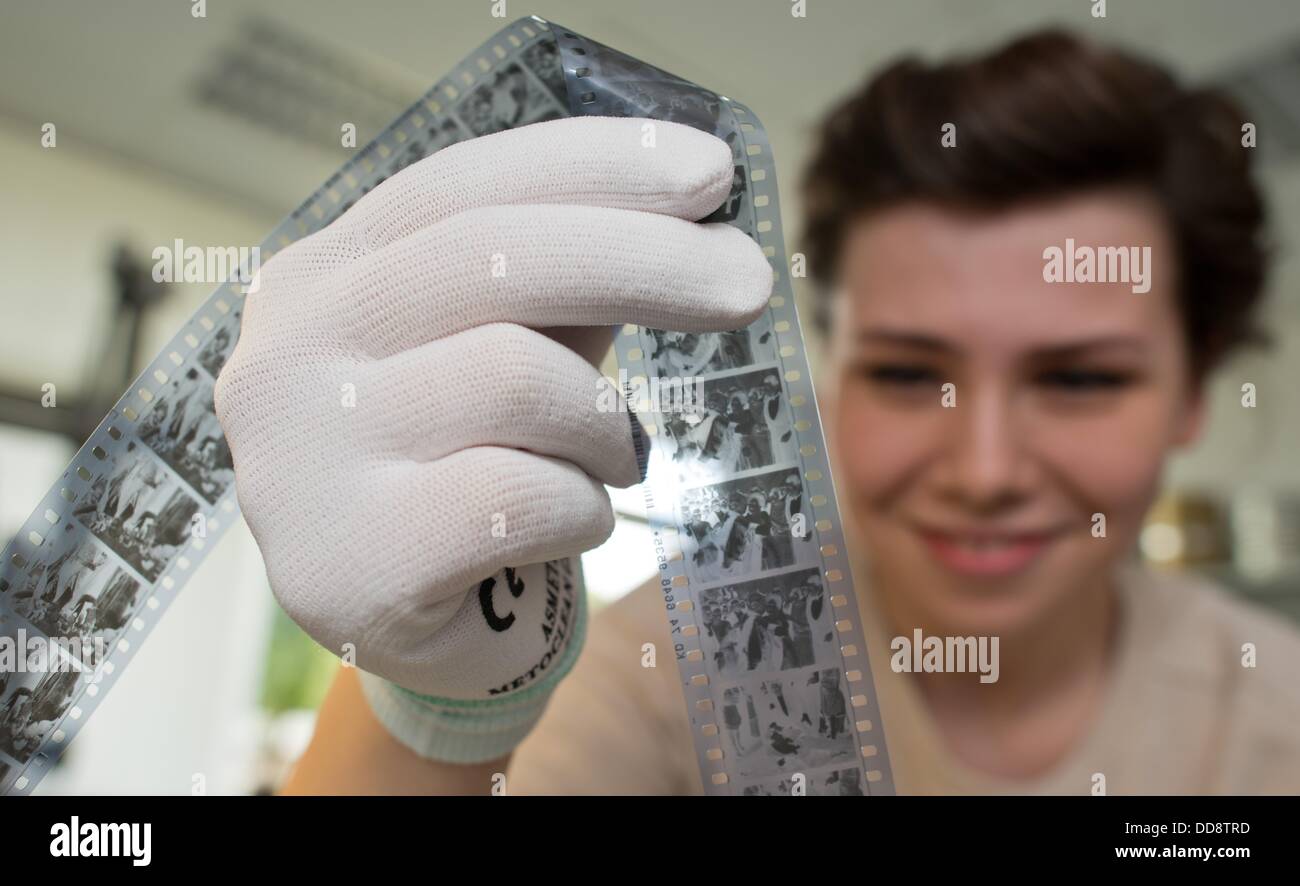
(1047,115)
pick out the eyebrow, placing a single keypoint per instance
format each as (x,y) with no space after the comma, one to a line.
(902,337)
(929,342)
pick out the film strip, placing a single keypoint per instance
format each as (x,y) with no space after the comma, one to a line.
(755,578)
(752,563)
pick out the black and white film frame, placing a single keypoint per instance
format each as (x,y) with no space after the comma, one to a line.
(151,491)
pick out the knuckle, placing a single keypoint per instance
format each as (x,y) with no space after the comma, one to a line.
(515,341)
(601,522)
(228,392)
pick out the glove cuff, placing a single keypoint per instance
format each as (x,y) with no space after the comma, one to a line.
(468,730)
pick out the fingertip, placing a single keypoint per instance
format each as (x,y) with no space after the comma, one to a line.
(752,276)
(601,522)
(693,169)
(715,175)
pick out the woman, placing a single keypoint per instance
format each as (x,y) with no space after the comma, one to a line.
(982,419)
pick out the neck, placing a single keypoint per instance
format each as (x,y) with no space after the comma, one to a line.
(1050,684)
(1068,644)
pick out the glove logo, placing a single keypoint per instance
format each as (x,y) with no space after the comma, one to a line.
(516,587)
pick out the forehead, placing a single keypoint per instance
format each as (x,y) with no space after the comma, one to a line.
(979,277)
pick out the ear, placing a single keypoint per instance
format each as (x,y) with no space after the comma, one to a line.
(1191,421)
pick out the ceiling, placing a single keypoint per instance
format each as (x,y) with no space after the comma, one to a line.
(124,77)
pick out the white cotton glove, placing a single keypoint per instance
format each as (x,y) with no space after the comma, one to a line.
(402,431)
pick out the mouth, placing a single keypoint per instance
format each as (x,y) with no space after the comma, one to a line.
(986,553)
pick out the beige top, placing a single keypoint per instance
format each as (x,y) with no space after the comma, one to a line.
(1181,714)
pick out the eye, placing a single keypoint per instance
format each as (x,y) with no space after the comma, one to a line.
(899,374)
(1084,380)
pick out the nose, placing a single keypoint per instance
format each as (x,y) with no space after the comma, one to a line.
(985,464)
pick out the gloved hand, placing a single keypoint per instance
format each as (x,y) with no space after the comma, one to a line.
(411,409)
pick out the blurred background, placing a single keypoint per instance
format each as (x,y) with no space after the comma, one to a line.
(210,130)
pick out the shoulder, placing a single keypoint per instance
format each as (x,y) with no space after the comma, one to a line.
(641,611)
(1238,659)
(617,723)
(633,637)
(1194,620)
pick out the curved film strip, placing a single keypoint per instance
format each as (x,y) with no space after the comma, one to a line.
(754,575)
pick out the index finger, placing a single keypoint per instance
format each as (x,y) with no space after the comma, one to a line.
(613,162)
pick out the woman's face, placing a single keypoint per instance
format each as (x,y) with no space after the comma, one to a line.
(980,516)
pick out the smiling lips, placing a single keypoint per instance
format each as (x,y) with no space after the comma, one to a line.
(986,553)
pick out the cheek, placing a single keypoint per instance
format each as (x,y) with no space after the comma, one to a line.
(1109,462)
(877,447)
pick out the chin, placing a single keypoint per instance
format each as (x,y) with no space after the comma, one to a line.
(962,608)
